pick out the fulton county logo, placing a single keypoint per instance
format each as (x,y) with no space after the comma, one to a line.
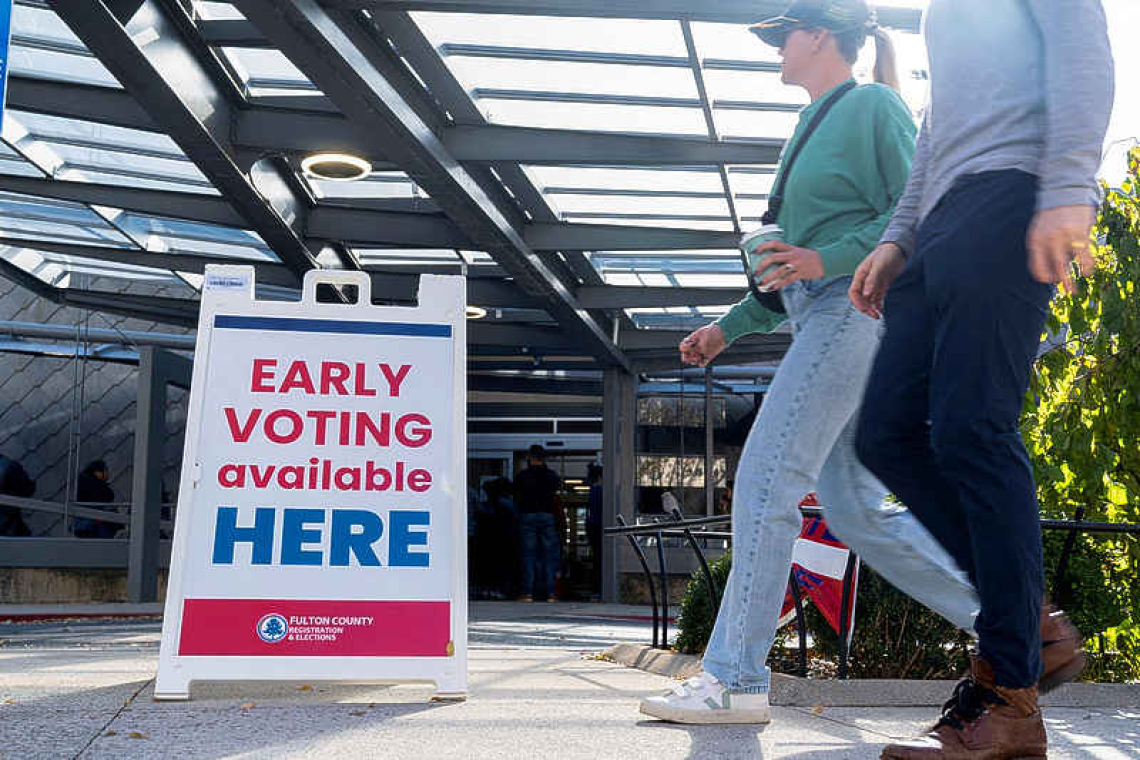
(272,628)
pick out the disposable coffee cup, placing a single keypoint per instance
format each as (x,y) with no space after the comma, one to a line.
(753,240)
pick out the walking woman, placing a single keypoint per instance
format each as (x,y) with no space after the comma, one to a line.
(836,203)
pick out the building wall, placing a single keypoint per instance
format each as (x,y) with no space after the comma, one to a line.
(58,414)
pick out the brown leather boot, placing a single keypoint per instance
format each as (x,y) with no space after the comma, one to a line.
(1062,659)
(988,722)
(1061,655)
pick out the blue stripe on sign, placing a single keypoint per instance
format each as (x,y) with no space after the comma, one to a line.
(332,326)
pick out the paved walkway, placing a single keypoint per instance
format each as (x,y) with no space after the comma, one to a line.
(82,689)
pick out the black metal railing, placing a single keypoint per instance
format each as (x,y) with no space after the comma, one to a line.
(675,525)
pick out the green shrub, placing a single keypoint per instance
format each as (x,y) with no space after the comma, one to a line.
(896,637)
(695,623)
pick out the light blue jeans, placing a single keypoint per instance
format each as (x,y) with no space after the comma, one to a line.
(803,440)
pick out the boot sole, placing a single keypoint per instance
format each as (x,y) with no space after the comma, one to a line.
(1062,675)
(705,717)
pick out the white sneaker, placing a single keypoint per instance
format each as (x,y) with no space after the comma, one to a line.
(703,699)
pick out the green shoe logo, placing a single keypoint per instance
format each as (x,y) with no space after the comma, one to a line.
(725,699)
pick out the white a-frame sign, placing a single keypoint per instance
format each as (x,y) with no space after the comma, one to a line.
(321,527)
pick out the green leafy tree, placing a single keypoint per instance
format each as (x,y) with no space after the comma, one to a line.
(1082,426)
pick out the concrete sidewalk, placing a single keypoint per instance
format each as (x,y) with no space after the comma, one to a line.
(82,689)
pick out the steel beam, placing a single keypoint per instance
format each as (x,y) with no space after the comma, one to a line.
(97,335)
(616,237)
(88,102)
(533,385)
(519,336)
(197,207)
(109,553)
(387,228)
(717,11)
(332,54)
(309,132)
(152,51)
(639,296)
(157,369)
(363,227)
(530,145)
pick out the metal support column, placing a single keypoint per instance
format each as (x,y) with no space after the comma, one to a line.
(157,368)
(146,491)
(710,483)
(618,474)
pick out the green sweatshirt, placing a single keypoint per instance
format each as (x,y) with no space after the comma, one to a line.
(842,190)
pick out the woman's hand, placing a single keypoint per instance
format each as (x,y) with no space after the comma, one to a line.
(791,264)
(874,277)
(703,345)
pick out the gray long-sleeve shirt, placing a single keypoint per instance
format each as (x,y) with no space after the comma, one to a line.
(1015,84)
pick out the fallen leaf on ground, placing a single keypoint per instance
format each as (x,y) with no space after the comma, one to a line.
(111,733)
(304,687)
(357,713)
(138,735)
(818,709)
(248,706)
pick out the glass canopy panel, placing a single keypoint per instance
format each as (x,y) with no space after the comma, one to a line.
(667,264)
(91,152)
(611,203)
(379,257)
(702,180)
(740,123)
(24,216)
(176,236)
(92,267)
(560,76)
(754,86)
(43,47)
(13,163)
(732,42)
(376,185)
(603,117)
(588,34)
(267,71)
(213,11)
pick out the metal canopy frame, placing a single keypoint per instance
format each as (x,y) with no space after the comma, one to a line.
(377,86)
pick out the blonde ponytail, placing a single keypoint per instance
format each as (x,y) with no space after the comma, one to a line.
(886,59)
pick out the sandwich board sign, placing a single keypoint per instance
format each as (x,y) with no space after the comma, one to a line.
(321,527)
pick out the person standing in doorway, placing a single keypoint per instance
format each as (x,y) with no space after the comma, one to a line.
(998,207)
(540,519)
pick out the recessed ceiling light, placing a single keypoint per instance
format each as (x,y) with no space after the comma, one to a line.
(339,167)
(476,312)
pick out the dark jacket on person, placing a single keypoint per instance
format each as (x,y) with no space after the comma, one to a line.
(14,481)
(536,490)
(93,489)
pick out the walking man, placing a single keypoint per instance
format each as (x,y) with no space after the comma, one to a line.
(1000,203)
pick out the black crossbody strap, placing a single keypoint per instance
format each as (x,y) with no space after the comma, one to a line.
(776,199)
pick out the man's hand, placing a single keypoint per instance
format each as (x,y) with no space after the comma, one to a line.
(788,264)
(1056,237)
(703,345)
(874,277)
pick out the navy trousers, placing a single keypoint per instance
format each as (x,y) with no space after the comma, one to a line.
(939,424)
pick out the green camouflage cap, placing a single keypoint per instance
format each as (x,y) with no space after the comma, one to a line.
(833,15)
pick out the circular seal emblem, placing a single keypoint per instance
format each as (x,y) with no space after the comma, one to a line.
(272,628)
